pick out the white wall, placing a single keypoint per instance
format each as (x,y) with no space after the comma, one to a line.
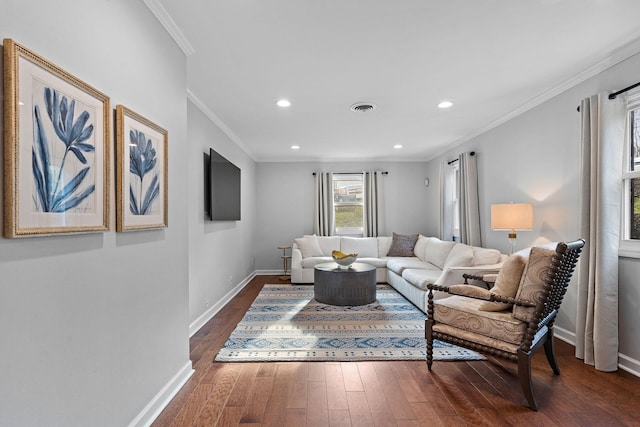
(93,326)
(535,158)
(284,194)
(220,252)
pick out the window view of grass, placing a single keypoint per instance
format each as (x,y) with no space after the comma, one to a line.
(635,182)
(348,216)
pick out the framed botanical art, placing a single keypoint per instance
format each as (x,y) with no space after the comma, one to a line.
(56,149)
(141,176)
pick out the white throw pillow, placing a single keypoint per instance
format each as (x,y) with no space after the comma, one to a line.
(365,247)
(460,256)
(485,256)
(309,246)
(437,251)
(328,244)
(420,248)
(384,243)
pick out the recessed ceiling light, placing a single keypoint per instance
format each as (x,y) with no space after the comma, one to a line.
(445,104)
(283,103)
(295,147)
(397,146)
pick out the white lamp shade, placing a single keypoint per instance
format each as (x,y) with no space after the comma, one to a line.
(512,216)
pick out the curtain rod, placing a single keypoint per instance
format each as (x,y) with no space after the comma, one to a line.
(473,153)
(614,95)
(352,173)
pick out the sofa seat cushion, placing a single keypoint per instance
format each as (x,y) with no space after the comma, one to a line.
(376,262)
(421,278)
(462,313)
(365,247)
(398,265)
(313,261)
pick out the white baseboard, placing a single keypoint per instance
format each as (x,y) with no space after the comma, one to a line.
(625,363)
(564,335)
(163,397)
(269,272)
(213,310)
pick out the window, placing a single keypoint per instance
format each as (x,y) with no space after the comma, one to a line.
(348,203)
(631,178)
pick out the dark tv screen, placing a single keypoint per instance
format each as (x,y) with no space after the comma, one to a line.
(222,188)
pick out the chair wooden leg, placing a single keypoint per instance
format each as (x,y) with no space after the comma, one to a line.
(429,338)
(524,376)
(550,352)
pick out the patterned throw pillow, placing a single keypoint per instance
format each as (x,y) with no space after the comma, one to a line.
(402,245)
(533,281)
(507,283)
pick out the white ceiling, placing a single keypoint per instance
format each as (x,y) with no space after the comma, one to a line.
(492,58)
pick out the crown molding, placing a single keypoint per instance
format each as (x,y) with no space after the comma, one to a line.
(170,25)
(626,51)
(218,122)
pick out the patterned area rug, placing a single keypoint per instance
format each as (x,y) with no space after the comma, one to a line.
(286,323)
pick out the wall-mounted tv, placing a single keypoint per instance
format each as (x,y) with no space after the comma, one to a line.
(221,188)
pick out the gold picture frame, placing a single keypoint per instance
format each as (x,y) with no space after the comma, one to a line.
(56,149)
(141,172)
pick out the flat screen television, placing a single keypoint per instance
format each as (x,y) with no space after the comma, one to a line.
(221,188)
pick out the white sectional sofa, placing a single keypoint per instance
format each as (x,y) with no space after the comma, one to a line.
(431,261)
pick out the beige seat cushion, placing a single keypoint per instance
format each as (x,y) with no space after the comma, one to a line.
(462,313)
(421,278)
(506,283)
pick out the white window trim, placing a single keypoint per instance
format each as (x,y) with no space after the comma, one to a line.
(628,248)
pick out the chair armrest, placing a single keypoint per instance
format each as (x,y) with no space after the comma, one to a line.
(477,293)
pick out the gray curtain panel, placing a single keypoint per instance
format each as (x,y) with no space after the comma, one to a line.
(603,134)
(372,203)
(323,204)
(468,200)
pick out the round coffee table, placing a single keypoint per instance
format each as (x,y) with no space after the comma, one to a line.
(334,285)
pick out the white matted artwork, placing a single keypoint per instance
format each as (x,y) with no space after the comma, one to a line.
(56,149)
(141,175)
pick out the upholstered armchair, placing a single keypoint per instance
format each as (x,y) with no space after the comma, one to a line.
(514,318)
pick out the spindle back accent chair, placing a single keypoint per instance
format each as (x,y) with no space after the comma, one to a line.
(517,333)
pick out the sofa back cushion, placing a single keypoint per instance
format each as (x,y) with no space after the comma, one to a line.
(365,247)
(329,244)
(402,245)
(384,243)
(533,281)
(507,283)
(437,251)
(309,246)
(485,256)
(460,256)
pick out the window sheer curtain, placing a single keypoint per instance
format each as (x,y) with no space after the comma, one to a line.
(323,204)
(603,134)
(373,212)
(468,200)
(468,205)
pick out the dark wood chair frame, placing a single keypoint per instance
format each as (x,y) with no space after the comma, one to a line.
(563,264)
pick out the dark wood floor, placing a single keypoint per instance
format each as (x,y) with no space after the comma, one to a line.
(397,393)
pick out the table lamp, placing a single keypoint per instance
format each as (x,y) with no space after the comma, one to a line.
(512,217)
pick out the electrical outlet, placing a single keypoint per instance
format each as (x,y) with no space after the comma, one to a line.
(206,303)
(231,280)
(252,261)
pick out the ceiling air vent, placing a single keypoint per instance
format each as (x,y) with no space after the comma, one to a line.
(363,107)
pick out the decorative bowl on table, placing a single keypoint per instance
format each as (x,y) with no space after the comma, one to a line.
(344,260)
